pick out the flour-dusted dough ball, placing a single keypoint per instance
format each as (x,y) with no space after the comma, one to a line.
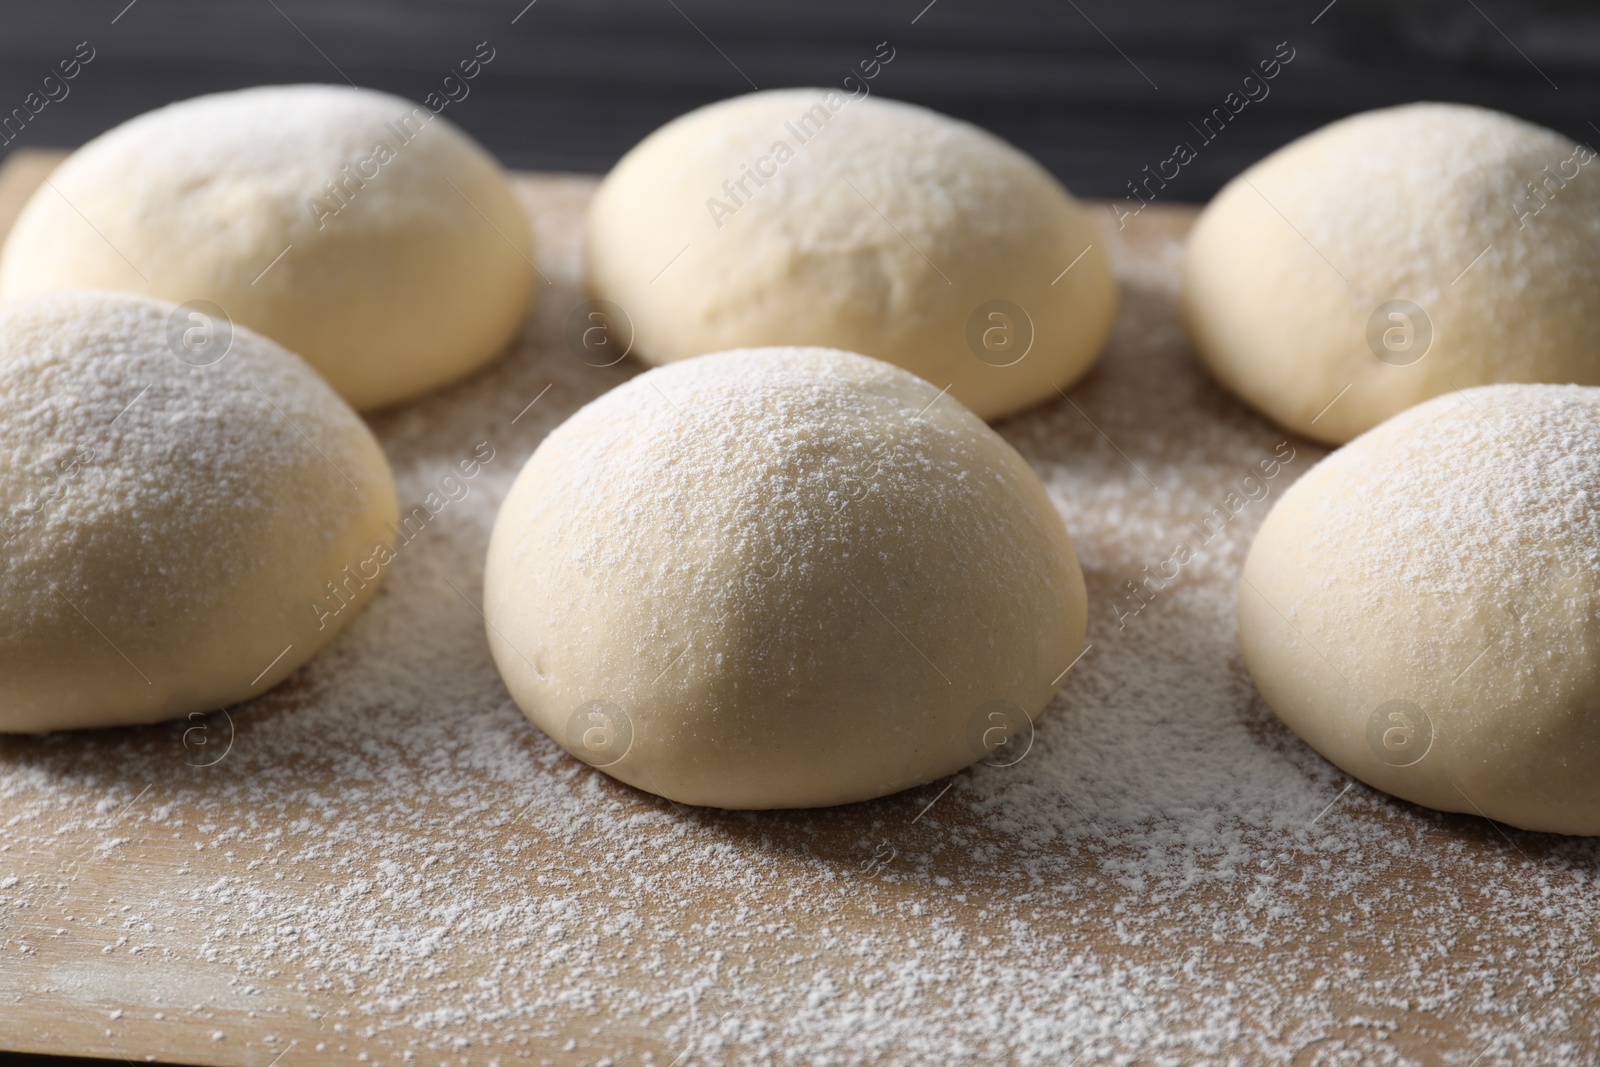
(405,260)
(173,537)
(1423,607)
(1395,256)
(769,578)
(808,217)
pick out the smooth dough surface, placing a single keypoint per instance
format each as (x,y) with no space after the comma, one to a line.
(406,261)
(889,230)
(760,579)
(1423,607)
(1488,225)
(168,531)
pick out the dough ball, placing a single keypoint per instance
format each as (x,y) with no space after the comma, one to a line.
(1395,256)
(769,578)
(405,260)
(173,537)
(808,217)
(1423,607)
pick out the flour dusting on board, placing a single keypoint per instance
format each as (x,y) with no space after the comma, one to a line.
(384,862)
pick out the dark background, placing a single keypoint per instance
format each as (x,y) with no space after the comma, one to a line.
(1095,89)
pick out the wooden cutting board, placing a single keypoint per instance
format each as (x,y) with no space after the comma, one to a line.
(353,888)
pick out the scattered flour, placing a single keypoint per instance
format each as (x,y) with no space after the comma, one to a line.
(391,865)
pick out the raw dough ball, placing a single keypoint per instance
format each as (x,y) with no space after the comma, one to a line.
(393,282)
(169,533)
(1423,607)
(867,225)
(1401,253)
(762,579)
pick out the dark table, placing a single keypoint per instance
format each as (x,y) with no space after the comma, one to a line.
(1095,89)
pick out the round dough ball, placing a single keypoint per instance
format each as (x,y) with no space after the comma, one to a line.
(807,217)
(1423,607)
(1394,256)
(761,579)
(173,538)
(405,260)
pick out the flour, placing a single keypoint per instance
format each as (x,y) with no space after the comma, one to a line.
(392,865)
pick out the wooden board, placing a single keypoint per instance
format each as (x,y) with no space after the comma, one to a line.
(320,893)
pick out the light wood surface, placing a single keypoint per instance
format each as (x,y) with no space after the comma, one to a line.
(116,941)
